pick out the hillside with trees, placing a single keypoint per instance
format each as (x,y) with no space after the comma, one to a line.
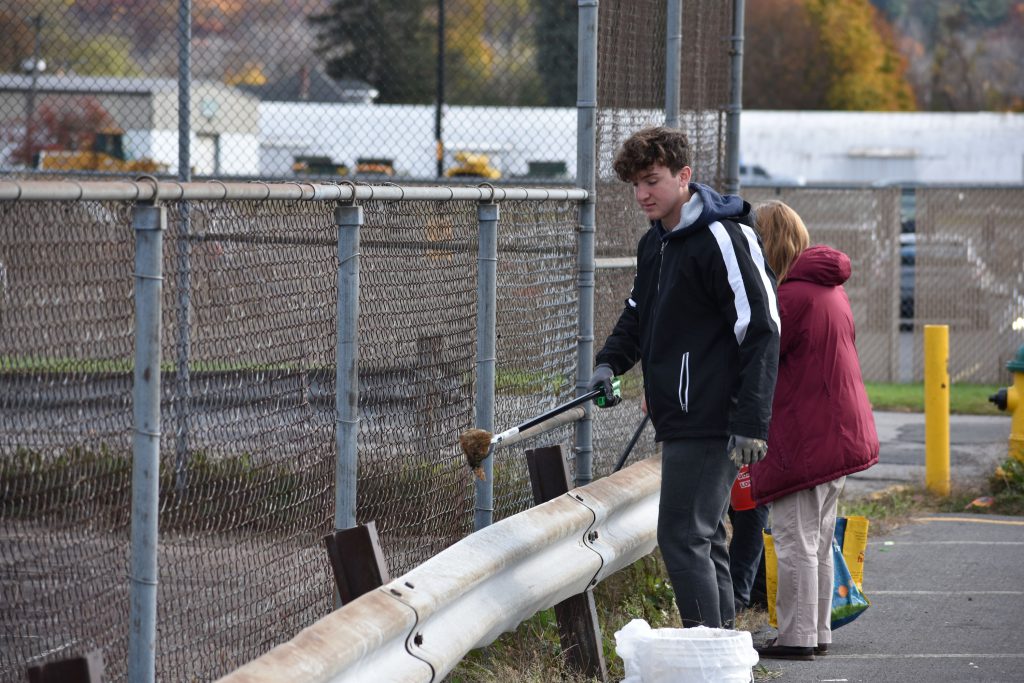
(890,55)
(963,55)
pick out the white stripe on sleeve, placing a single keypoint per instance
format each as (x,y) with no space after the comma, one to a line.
(758,256)
(732,269)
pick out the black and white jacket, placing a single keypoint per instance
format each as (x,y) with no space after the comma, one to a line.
(703,320)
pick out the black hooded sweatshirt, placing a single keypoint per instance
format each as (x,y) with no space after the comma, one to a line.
(703,320)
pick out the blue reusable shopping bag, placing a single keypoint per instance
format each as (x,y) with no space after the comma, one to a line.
(848,600)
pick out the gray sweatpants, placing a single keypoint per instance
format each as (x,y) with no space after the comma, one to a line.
(696,479)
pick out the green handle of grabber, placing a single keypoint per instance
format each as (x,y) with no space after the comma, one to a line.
(616,386)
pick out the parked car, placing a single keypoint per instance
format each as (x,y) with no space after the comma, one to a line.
(908,250)
(754,174)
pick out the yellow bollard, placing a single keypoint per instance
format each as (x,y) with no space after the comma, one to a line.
(936,408)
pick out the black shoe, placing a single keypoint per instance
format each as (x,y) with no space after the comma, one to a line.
(771,650)
(821,650)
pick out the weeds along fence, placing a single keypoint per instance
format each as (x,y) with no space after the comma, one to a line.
(246,429)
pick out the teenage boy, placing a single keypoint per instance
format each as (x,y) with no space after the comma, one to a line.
(703,321)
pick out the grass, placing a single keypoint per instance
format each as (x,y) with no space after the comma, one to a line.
(964,399)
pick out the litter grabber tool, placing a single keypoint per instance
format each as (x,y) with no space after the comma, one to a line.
(632,442)
(478,443)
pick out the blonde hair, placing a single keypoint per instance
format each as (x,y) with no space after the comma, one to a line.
(784,235)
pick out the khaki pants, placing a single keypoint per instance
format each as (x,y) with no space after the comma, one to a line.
(803,524)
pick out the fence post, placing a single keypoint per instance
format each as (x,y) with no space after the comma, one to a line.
(673,61)
(732,125)
(486,333)
(149,222)
(586,178)
(182,378)
(346,372)
(936,408)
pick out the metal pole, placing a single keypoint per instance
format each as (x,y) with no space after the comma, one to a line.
(439,106)
(732,126)
(936,408)
(184,87)
(673,61)
(486,345)
(348,219)
(30,105)
(586,178)
(149,222)
(183,253)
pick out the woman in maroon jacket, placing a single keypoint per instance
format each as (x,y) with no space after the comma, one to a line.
(822,428)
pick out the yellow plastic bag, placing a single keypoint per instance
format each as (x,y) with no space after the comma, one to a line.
(771,575)
(852,537)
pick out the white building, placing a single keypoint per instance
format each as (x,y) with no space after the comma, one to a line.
(885,147)
(802,146)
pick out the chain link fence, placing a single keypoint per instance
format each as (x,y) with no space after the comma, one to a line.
(968,273)
(248,450)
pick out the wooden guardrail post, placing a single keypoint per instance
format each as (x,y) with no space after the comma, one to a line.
(578,628)
(357,561)
(87,668)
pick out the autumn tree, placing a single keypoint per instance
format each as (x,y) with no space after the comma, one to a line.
(963,55)
(784,61)
(822,54)
(63,123)
(386,43)
(490,53)
(867,72)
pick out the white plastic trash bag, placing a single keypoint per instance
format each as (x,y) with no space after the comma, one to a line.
(672,655)
(626,641)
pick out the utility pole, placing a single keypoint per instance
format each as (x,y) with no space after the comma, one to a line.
(35,67)
(439,108)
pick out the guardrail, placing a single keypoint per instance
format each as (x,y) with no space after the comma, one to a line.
(419,626)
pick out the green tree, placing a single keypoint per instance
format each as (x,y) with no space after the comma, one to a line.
(389,44)
(469,55)
(557,35)
(101,55)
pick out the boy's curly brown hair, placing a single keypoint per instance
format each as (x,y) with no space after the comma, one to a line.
(655,145)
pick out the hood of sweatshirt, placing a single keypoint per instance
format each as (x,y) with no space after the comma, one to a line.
(706,206)
(821,265)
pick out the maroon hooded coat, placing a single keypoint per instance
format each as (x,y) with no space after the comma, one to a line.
(822,427)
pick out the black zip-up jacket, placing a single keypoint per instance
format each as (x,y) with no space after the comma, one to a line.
(703,320)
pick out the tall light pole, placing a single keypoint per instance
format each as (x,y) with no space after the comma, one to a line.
(438,109)
(33,68)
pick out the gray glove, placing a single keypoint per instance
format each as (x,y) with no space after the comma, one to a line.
(602,379)
(744,450)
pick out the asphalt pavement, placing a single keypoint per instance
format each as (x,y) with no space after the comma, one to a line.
(977,444)
(946,590)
